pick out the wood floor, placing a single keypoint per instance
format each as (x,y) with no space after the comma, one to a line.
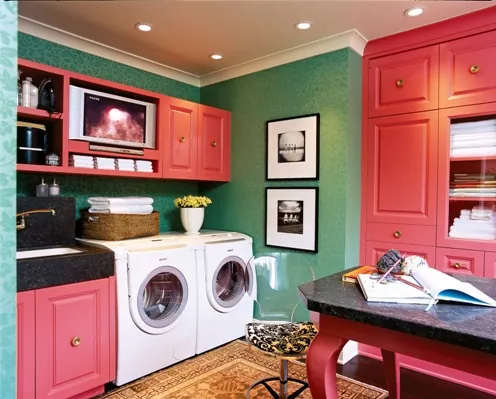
(413,385)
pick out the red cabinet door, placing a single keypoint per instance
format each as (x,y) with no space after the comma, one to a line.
(180,155)
(467,71)
(490,265)
(72,339)
(374,250)
(404,82)
(25,345)
(402,169)
(460,261)
(214,147)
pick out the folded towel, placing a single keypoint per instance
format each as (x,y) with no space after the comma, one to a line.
(102,201)
(123,209)
(82,157)
(81,166)
(469,152)
(125,169)
(143,163)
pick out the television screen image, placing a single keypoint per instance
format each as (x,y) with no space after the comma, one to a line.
(113,119)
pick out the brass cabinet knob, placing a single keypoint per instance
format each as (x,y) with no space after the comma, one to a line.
(457,265)
(397,234)
(76,341)
(182,139)
(474,69)
(400,82)
(214,143)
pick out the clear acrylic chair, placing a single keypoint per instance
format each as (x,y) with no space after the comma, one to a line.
(278,334)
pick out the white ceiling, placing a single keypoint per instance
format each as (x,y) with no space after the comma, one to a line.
(185,32)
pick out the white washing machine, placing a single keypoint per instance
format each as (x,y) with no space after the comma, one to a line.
(226,288)
(157,301)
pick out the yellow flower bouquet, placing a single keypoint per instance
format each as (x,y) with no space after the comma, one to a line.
(192,201)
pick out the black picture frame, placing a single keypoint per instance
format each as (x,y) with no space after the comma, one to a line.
(292,148)
(302,234)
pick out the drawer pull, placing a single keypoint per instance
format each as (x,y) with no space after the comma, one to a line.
(457,266)
(214,143)
(182,139)
(397,234)
(474,69)
(400,82)
(76,341)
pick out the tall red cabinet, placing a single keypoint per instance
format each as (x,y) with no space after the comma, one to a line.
(429,153)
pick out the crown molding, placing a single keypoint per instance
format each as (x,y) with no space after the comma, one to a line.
(351,38)
(68,39)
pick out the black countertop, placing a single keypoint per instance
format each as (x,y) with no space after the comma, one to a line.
(470,326)
(91,264)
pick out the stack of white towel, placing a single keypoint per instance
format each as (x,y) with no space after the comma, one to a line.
(144,166)
(104,163)
(124,164)
(477,224)
(81,161)
(473,139)
(122,205)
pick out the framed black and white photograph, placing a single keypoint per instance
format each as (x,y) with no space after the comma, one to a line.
(291,218)
(293,148)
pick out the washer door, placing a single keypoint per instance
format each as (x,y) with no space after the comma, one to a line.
(230,282)
(160,300)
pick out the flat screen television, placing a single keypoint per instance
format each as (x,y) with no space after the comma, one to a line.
(106,118)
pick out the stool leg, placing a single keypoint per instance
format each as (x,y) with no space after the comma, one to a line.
(283,380)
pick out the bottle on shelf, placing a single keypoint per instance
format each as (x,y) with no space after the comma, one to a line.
(19,88)
(34,95)
(26,92)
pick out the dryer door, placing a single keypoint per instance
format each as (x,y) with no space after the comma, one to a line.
(160,300)
(229,284)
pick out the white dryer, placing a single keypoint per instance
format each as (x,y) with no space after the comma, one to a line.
(157,301)
(226,288)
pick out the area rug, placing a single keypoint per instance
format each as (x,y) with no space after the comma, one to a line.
(226,373)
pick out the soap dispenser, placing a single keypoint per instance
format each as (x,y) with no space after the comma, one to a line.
(54,189)
(42,189)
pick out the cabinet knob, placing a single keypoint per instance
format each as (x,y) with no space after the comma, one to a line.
(474,69)
(182,139)
(457,265)
(397,234)
(76,341)
(214,143)
(400,82)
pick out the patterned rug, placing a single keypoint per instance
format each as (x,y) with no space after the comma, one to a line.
(225,373)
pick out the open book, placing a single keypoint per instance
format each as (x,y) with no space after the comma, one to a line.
(433,286)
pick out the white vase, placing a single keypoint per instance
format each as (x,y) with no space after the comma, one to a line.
(192,219)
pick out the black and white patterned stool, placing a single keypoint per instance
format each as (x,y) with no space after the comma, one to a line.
(285,341)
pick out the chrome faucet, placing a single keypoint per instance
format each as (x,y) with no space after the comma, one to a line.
(21,225)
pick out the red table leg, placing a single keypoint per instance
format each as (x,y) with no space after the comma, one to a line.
(392,370)
(321,363)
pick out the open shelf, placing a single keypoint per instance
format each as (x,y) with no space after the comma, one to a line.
(477,199)
(480,158)
(22,167)
(110,172)
(82,147)
(35,114)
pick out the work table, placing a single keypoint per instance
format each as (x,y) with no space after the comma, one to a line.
(471,326)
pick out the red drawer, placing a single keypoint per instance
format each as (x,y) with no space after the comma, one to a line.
(460,261)
(467,67)
(490,265)
(375,249)
(404,82)
(402,233)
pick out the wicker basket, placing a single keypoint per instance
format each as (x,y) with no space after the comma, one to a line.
(116,227)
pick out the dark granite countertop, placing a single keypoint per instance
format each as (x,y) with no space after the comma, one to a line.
(91,264)
(470,326)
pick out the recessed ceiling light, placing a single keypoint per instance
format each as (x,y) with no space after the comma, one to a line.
(143,27)
(414,12)
(303,25)
(216,56)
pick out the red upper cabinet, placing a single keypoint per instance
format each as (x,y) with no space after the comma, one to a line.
(25,345)
(180,138)
(402,169)
(405,82)
(214,147)
(72,339)
(468,71)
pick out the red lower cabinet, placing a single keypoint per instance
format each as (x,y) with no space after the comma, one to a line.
(460,261)
(376,249)
(25,345)
(72,339)
(490,265)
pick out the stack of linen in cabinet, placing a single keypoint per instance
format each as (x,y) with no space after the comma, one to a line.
(479,223)
(81,161)
(122,205)
(124,164)
(144,166)
(473,139)
(104,163)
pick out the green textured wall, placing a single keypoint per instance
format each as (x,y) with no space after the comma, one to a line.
(328,84)
(82,187)
(8,90)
